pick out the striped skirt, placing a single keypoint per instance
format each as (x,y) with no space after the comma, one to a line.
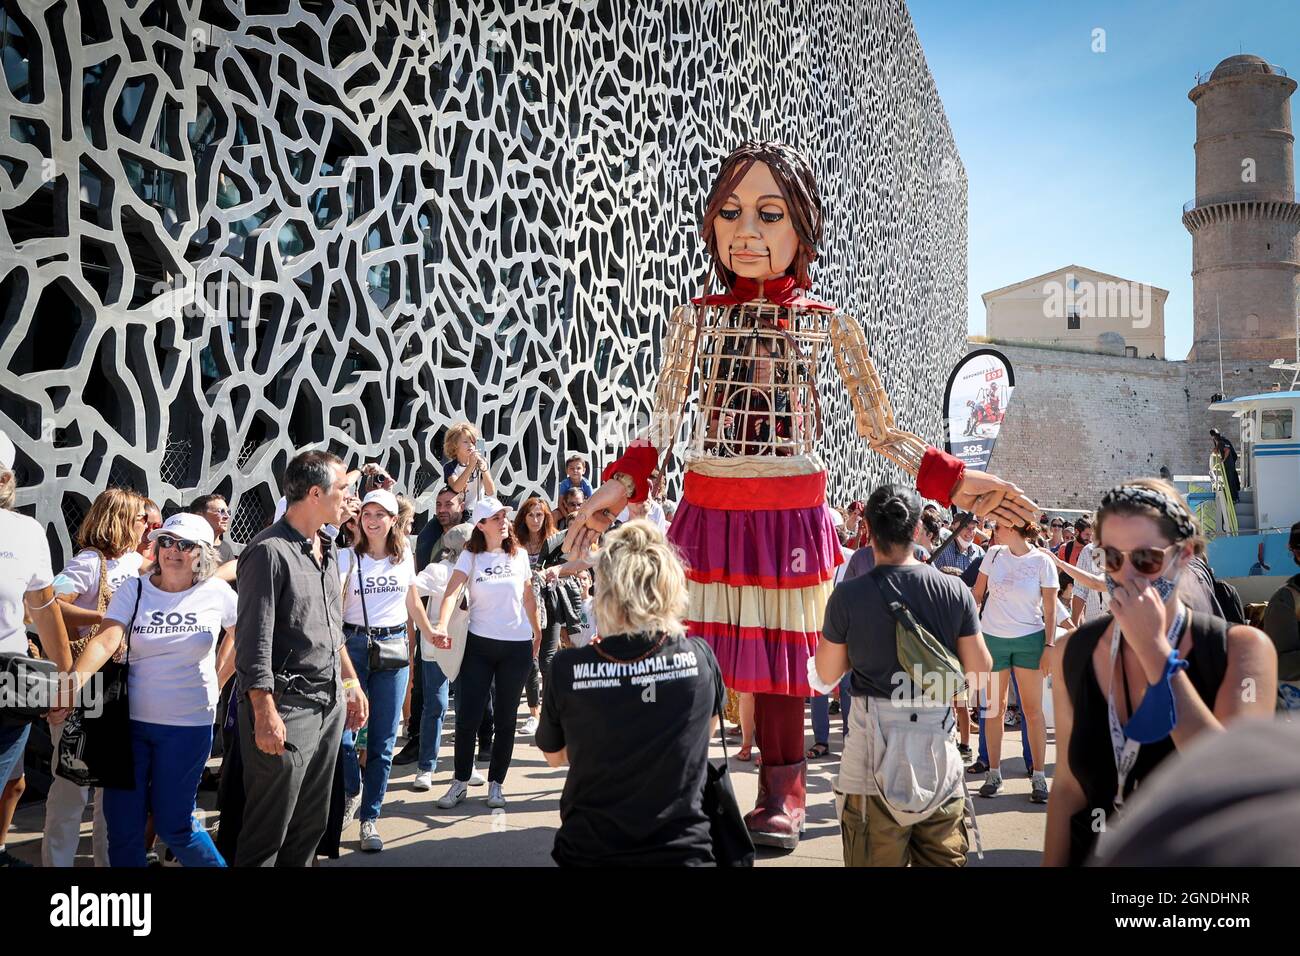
(760,552)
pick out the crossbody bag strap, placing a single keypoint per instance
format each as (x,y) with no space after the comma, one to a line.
(361,590)
(722,723)
(469,579)
(130,625)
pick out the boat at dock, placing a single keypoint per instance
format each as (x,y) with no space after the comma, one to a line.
(1247,538)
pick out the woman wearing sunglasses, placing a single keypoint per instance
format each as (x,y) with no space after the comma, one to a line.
(1148,678)
(1021,583)
(169,623)
(379,592)
(107,556)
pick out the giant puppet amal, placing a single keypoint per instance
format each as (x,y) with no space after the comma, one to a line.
(752,527)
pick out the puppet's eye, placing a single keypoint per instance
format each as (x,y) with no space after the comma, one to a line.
(771,215)
(729,214)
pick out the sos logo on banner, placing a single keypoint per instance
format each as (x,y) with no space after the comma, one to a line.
(975,404)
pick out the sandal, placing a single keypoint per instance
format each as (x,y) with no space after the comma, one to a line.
(733,731)
(817,751)
(745,753)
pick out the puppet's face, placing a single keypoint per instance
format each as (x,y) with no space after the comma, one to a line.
(756,237)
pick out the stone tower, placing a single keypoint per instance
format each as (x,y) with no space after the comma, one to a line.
(1244,221)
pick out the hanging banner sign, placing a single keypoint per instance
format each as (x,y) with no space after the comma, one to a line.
(975,403)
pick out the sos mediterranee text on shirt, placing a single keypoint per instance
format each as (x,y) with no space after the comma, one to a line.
(496,594)
(387,582)
(174,636)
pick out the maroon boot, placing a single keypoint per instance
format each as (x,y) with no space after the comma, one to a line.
(779,817)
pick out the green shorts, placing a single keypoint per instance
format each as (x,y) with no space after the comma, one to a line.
(1009,652)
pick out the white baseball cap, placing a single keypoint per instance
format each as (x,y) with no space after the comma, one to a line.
(7,453)
(187,527)
(385,499)
(486,508)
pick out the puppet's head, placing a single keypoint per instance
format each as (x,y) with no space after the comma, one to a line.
(764,215)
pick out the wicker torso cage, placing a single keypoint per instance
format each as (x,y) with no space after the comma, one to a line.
(757,393)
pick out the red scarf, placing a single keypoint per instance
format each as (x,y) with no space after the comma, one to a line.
(780,291)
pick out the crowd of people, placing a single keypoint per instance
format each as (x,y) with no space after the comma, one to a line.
(304,657)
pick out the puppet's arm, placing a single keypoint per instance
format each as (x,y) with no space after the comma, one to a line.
(939,476)
(628,478)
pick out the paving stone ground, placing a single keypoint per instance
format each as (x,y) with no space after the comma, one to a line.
(417,833)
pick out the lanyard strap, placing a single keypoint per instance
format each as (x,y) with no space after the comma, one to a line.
(1126,748)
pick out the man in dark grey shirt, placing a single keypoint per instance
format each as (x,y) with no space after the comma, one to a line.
(292,676)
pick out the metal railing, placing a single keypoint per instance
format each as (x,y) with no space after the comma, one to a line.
(1239,196)
(1204,77)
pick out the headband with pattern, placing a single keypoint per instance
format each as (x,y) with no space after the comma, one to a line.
(1170,508)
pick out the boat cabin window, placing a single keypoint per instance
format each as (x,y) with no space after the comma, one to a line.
(1276,424)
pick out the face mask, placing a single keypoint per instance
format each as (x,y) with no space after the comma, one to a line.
(1164,585)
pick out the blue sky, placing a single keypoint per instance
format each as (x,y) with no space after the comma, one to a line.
(1082,157)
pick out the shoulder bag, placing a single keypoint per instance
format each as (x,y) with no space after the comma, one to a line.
(449,659)
(732,844)
(95,748)
(387,655)
(78,644)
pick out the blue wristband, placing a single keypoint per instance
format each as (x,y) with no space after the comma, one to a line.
(1156,716)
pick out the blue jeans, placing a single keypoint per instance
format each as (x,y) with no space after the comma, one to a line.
(821,711)
(1024,732)
(385,690)
(433,714)
(13,744)
(168,764)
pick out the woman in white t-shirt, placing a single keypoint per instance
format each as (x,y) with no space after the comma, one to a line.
(25,586)
(379,592)
(1020,582)
(108,555)
(504,635)
(170,624)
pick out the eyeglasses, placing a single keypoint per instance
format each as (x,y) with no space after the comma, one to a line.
(181,545)
(220,512)
(1057,524)
(143,519)
(1145,560)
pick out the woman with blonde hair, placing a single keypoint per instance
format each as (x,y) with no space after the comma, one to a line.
(107,556)
(466,470)
(1150,677)
(379,595)
(632,716)
(168,624)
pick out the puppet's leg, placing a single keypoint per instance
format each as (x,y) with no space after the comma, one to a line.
(778,819)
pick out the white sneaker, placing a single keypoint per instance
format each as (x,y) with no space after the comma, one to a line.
(495,798)
(350,808)
(423,780)
(530,727)
(371,841)
(476,779)
(454,795)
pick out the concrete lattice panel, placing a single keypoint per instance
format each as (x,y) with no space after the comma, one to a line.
(229,230)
